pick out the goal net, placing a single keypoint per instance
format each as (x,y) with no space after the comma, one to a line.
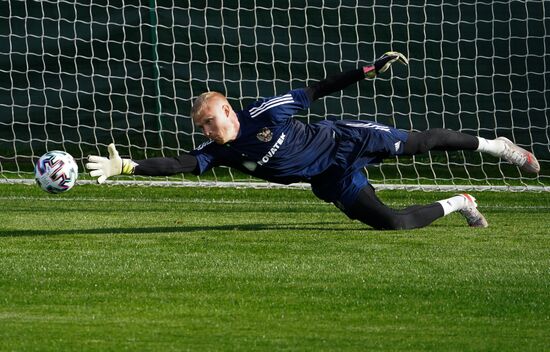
(78,75)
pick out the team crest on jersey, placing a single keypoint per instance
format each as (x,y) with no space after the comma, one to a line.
(265,135)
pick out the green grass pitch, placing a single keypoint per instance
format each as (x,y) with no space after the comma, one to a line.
(111,268)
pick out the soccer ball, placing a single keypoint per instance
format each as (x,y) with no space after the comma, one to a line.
(56,172)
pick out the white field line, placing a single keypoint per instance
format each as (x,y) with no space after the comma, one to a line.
(261,185)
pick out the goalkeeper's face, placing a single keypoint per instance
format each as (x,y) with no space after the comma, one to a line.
(218,120)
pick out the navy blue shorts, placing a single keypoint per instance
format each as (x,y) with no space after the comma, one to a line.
(360,143)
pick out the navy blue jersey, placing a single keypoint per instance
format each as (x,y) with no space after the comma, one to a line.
(272,145)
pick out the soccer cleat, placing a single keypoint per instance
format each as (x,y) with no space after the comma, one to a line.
(470,212)
(524,159)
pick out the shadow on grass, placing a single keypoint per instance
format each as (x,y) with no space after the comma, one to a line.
(177,229)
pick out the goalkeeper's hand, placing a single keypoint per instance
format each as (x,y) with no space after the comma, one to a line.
(383,63)
(103,168)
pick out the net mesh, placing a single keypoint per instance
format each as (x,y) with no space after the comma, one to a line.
(77,76)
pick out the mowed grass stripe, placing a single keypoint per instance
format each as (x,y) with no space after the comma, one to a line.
(283,272)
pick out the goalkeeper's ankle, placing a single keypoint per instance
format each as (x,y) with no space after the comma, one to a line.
(128,167)
(455,203)
(494,147)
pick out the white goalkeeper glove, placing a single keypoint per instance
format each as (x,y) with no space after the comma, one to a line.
(383,63)
(103,168)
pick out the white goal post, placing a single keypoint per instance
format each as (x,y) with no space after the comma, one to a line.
(77,76)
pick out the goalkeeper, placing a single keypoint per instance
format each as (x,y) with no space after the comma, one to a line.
(265,141)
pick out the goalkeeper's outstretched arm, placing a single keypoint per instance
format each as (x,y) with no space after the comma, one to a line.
(182,163)
(342,80)
(103,168)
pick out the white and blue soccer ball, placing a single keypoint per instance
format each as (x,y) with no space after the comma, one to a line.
(56,171)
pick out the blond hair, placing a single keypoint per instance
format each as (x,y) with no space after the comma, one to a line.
(202,101)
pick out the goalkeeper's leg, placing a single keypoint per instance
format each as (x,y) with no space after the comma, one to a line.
(438,139)
(443,139)
(369,209)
